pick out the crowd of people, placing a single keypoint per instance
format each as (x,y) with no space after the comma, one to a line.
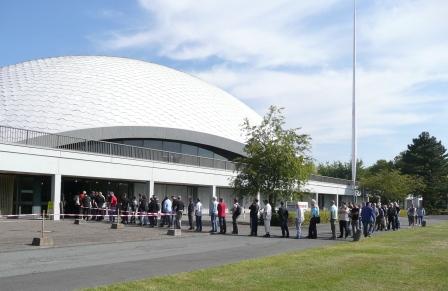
(353,219)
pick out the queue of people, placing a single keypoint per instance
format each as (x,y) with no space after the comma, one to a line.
(351,218)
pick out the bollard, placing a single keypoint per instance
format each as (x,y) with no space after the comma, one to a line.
(117,224)
(44,240)
(174,231)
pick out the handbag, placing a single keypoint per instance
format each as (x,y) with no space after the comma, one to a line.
(317,219)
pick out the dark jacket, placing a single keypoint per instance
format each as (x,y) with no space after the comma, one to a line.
(254,208)
(283,214)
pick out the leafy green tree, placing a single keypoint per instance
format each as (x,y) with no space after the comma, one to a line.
(379,166)
(341,170)
(426,158)
(276,162)
(390,184)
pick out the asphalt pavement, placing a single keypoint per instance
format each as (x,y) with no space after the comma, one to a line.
(88,263)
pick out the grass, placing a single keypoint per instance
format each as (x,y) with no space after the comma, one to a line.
(415,259)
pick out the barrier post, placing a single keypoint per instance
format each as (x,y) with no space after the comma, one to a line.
(44,240)
(117,224)
(173,230)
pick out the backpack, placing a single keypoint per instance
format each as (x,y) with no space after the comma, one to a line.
(238,211)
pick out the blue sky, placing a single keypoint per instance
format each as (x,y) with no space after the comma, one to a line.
(295,54)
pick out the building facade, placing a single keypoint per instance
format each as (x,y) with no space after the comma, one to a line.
(70,124)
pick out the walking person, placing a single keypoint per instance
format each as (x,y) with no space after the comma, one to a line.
(333,219)
(254,209)
(198,214)
(267,215)
(314,219)
(222,207)
(300,217)
(420,215)
(190,213)
(236,212)
(213,211)
(283,217)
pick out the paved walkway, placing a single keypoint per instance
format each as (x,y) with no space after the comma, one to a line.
(93,254)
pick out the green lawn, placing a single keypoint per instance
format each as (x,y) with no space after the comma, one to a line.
(415,259)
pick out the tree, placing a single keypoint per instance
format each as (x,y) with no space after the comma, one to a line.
(390,184)
(276,162)
(340,170)
(426,158)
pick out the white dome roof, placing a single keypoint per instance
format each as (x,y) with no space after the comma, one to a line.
(72,93)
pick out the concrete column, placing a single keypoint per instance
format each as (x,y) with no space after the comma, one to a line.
(337,200)
(151,188)
(259,198)
(214,191)
(56,195)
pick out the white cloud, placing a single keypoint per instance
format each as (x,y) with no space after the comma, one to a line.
(297,54)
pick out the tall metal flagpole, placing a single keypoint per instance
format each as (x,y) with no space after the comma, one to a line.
(354,136)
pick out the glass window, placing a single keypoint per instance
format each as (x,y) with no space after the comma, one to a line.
(134,142)
(205,153)
(153,144)
(219,157)
(189,149)
(171,146)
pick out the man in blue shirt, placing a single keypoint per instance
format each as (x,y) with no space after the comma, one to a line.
(367,218)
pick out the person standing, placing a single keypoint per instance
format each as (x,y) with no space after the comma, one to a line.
(113,207)
(213,211)
(222,207)
(412,212)
(283,217)
(333,219)
(236,212)
(391,213)
(179,212)
(254,209)
(168,211)
(368,218)
(267,215)
(143,209)
(355,219)
(190,213)
(343,220)
(198,213)
(420,215)
(300,217)
(312,230)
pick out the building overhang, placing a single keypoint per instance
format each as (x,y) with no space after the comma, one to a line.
(152,132)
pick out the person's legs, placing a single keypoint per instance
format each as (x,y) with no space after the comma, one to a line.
(282,227)
(224,224)
(346,229)
(333,228)
(365,228)
(190,221)
(197,223)
(235,228)
(341,234)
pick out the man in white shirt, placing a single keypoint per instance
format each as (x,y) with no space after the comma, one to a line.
(333,218)
(198,213)
(267,215)
(300,217)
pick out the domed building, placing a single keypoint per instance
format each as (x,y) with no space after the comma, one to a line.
(83,100)
(108,124)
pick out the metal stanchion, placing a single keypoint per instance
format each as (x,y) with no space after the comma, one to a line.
(173,230)
(44,240)
(117,224)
